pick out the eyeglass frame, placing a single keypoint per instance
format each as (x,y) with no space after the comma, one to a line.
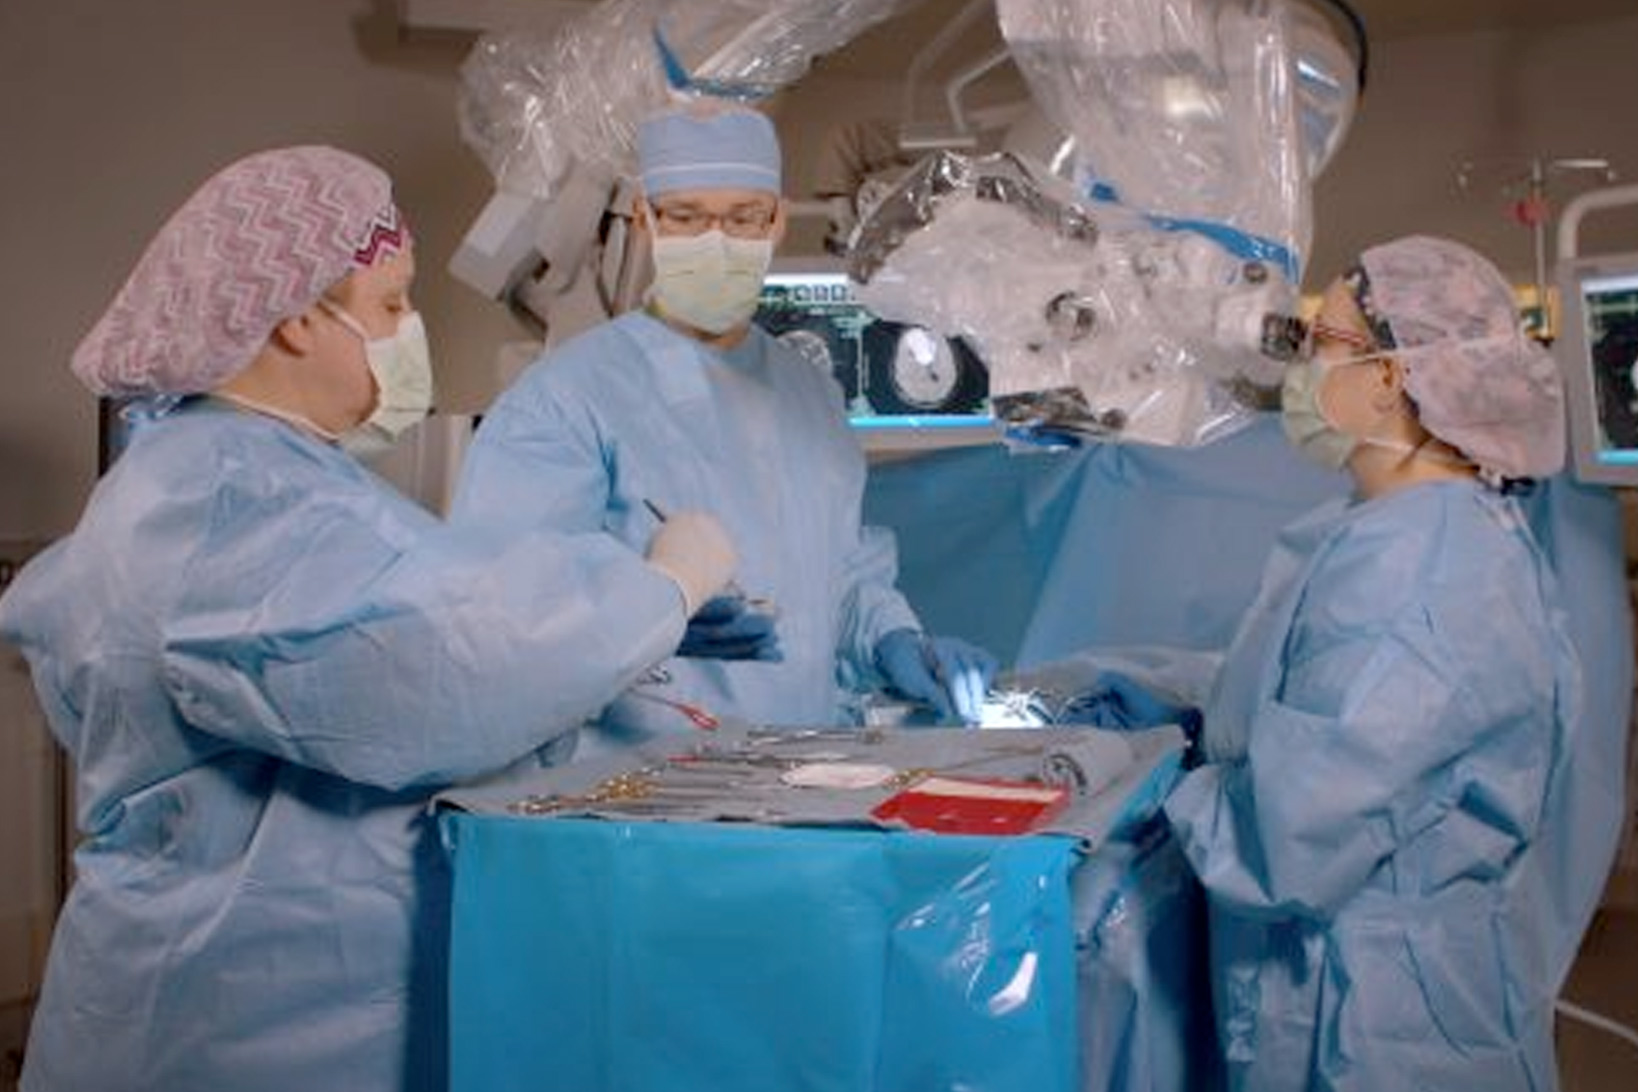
(1304,345)
(734,223)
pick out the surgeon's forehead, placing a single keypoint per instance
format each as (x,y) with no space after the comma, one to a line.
(389,277)
(714,199)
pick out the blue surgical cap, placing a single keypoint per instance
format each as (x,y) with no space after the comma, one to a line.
(732,150)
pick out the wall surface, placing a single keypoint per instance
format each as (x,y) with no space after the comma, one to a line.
(1497,100)
(111,114)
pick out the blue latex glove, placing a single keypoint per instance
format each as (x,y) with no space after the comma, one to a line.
(727,628)
(946,673)
(1116,701)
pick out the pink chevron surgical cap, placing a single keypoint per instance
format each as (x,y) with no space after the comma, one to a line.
(258,243)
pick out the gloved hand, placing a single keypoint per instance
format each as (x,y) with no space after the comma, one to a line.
(945,672)
(727,628)
(1117,701)
(694,551)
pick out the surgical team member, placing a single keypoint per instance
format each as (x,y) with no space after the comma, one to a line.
(264,662)
(686,403)
(1377,818)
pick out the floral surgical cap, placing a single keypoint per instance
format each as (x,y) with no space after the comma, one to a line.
(1479,382)
(256,244)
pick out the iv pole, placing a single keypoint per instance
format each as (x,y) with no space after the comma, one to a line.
(1533,211)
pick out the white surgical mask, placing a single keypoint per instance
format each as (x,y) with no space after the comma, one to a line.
(1311,431)
(1304,420)
(402,367)
(710,281)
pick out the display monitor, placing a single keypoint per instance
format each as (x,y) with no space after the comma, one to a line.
(906,388)
(1597,349)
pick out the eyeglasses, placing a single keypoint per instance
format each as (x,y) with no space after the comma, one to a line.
(744,222)
(1318,333)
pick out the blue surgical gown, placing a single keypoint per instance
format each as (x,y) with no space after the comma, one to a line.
(633,412)
(1377,816)
(264,663)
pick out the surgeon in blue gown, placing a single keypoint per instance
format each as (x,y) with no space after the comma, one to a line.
(264,662)
(1380,817)
(686,403)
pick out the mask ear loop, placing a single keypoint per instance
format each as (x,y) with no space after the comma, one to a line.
(1405,405)
(1390,401)
(339,313)
(1323,368)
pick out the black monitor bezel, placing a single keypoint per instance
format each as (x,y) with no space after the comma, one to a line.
(1573,351)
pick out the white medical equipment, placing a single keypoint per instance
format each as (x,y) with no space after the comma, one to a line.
(1134,97)
(553,114)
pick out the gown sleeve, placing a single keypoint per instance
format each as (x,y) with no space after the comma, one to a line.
(535,463)
(872,606)
(319,625)
(1411,707)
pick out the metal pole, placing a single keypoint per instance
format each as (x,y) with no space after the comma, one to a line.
(1538,234)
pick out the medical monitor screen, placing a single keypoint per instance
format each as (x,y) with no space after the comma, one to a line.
(904,385)
(1598,351)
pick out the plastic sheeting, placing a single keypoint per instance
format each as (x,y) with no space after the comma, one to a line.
(1160,313)
(536,105)
(1181,108)
(591,956)
(1196,129)
(1145,1018)
(610,957)
(1110,328)
(675,956)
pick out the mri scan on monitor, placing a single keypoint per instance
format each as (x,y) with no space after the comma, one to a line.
(896,377)
(1598,352)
